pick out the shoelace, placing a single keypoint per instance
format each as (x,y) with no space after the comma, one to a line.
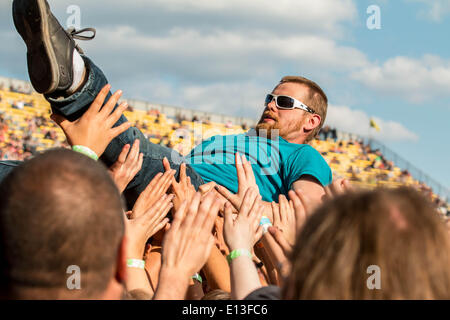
(75,34)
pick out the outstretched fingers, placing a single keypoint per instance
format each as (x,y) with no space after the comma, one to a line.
(123,154)
(133,155)
(231,197)
(60,121)
(247,202)
(239,169)
(228,215)
(99,100)
(115,116)
(108,107)
(165,182)
(114,132)
(280,239)
(250,176)
(179,217)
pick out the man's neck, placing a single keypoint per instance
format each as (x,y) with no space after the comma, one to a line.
(299,140)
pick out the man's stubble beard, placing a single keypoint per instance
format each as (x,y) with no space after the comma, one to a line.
(275,130)
(268,130)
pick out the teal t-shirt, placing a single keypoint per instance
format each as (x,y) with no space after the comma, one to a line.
(277,164)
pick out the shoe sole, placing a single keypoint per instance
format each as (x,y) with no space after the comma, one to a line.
(41,59)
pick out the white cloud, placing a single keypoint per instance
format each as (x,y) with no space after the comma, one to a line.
(243,99)
(435,10)
(357,121)
(416,80)
(246,99)
(218,55)
(224,55)
(282,16)
(323,14)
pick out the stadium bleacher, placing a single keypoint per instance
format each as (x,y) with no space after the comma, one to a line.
(25,128)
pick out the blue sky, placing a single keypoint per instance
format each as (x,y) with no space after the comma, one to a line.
(410,29)
(224,55)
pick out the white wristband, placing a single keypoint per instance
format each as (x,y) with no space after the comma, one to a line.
(265,223)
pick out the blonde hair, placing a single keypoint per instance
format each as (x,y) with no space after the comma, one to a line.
(317,100)
(396,230)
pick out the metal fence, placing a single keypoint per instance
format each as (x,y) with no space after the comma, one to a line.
(169,111)
(188,114)
(402,163)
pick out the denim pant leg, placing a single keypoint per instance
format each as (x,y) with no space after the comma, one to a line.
(74,106)
(6,166)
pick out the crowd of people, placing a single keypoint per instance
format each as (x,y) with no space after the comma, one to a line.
(250,216)
(179,243)
(22,148)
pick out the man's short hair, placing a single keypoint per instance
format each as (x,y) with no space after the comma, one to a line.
(397,230)
(58,209)
(316,100)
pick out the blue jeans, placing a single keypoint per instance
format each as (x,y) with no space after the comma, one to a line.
(6,166)
(74,106)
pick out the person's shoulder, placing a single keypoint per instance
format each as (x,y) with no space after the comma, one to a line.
(305,160)
(270,292)
(303,150)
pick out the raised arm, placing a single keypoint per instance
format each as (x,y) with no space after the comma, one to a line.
(241,235)
(186,246)
(144,221)
(94,129)
(246,180)
(311,188)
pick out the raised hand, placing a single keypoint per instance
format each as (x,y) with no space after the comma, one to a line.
(186,245)
(140,227)
(95,127)
(127,165)
(244,231)
(302,207)
(183,189)
(153,192)
(338,187)
(284,218)
(246,180)
(220,240)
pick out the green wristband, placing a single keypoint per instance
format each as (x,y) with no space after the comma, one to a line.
(237,253)
(86,151)
(197,277)
(136,263)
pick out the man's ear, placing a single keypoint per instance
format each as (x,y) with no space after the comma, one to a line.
(121,264)
(312,122)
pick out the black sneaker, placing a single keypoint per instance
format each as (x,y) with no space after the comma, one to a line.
(50,47)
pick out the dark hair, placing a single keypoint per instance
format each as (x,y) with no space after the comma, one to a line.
(394,229)
(58,209)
